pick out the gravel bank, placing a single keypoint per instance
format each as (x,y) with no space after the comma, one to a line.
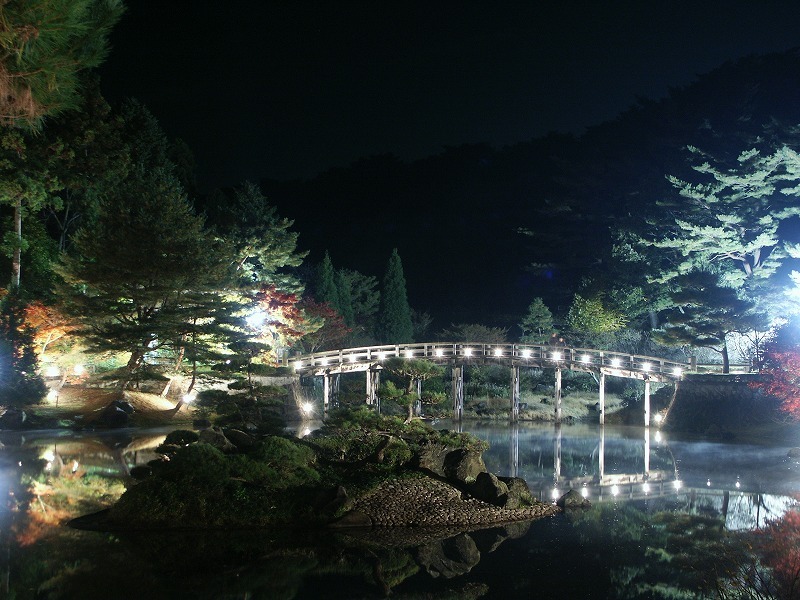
(427,502)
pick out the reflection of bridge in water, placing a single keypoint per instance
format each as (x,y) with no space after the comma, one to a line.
(368,359)
(624,464)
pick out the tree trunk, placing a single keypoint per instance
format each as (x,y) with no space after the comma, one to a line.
(16,260)
(135,361)
(726,364)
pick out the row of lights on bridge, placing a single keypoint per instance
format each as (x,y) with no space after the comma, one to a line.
(616,362)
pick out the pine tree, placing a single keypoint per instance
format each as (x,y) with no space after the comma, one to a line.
(705,314)
(142,268)
(537,324)
(394,314)
(326,290)
(345,296)
(44,47)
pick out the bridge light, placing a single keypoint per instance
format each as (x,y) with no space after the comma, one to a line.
(526,353)
(307,408)
(646,366)
(323,361)
(615,490)
(498,352)
(381,355)
(298,364)
(409,353)
(677,484)
(586,358)
(645,487)
(554,494)
(658,417)
(585,492)
(467,351)
(352,358)
(677,371)
(556,355)
(615,362)
(439,352)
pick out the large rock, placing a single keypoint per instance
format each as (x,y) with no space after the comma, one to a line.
(216,438)
(572,499)
(449,558)
(519,494)
(240,439)
(489,488)
(13,418)
(463,466)
(113,416)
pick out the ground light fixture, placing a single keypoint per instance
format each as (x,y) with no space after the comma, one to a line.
(307,408)
(188,398)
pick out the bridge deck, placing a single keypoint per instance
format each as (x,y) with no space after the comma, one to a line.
(631,366)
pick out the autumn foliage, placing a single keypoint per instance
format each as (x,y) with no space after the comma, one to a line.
(780,549)
(782,379)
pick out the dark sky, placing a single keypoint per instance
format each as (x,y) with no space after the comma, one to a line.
(287,89)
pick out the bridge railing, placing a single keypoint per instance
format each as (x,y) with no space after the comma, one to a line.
(522,354)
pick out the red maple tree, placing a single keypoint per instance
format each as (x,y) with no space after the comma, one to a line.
(781,379)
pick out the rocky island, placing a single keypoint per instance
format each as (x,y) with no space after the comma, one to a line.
(359,470)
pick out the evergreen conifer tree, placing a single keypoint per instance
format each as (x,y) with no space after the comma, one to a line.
(345,295)
(326,290)
(394,315)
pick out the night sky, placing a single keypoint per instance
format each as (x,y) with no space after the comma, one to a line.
(283,90)
(262,89)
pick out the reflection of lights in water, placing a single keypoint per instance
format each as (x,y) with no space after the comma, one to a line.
(554,493)
(614,490)
(738,484)
(708,483)
(585,492)
(646,488)
(658,436)
(677,484)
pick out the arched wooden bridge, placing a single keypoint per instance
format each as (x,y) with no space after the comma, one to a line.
(368,359)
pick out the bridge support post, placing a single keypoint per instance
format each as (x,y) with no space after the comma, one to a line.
(602,400)
(515,393)
(330,390)
(647,403)
(558,395)
(458,392)
(373,383)
(647,453)
(418,401)
(513,458)
(601,454)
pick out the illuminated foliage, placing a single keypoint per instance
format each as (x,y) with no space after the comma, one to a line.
(537,324)
(781,379)
(19,381)
(780,548)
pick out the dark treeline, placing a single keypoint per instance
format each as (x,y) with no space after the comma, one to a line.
(483,230)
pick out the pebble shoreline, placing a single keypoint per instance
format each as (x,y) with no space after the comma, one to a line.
(427,502)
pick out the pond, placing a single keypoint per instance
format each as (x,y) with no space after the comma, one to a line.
(669,518)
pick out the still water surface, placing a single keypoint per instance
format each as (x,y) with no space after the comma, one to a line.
(669,518)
